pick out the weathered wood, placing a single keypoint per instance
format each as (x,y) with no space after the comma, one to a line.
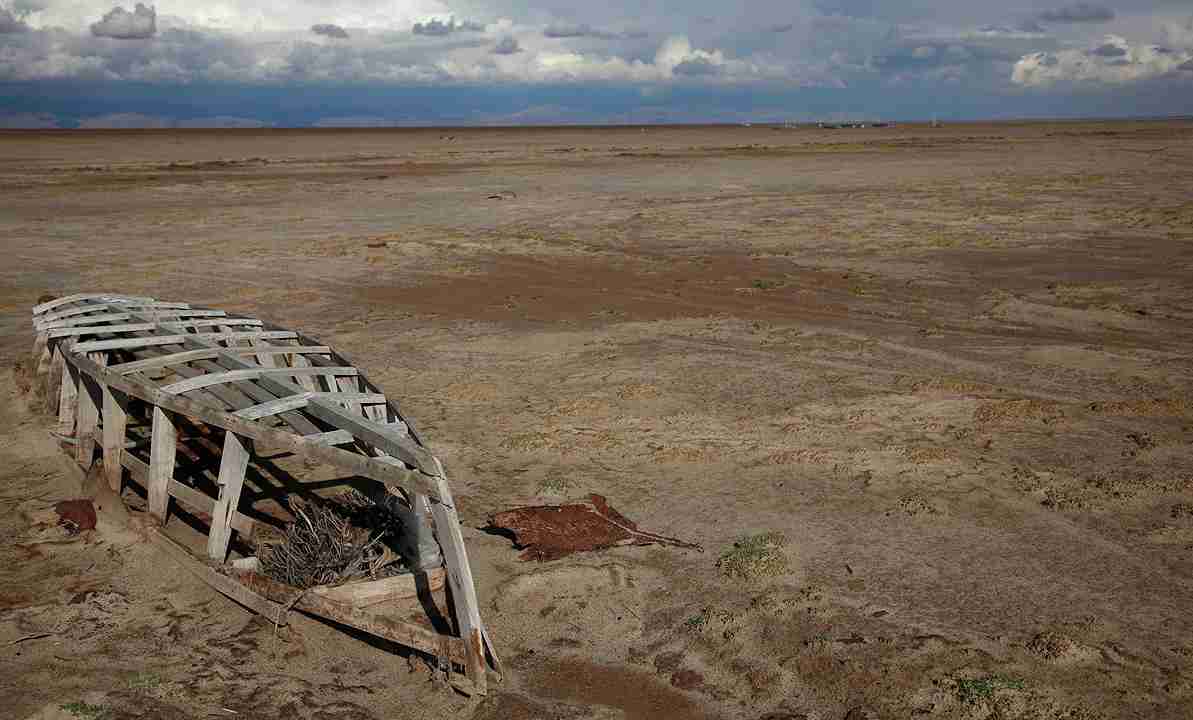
(68,399)
(115,422)
(294,402)
(226,585)
(85,320)
(161,307)
(51,304)
(87,419)
(332,437)
(163,447)
(373,623)
(234,460)
(372,468)
(98,329)
(202,381)
(400,446)
(131,343)
(163,361)
(459,576)
(372,592)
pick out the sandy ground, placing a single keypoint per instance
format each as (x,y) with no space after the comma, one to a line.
(954,368)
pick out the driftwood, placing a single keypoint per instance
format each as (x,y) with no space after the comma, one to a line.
(154,385)
(549,532)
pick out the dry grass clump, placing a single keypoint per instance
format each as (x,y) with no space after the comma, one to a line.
(332,542)
(755,556)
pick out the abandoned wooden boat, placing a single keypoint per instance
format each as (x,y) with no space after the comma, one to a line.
(143,381)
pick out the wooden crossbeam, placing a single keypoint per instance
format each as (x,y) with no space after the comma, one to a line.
(58,302)
(141,342)
(333,437)
(295,402)
(202,381)
(385,437)
(162,361)
(152,307)
(98,329)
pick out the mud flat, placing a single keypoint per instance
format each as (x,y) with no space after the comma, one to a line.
(924,396)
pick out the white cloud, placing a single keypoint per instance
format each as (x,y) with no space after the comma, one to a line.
(121,24)
(1115,61)
(1180,34)
(10,24)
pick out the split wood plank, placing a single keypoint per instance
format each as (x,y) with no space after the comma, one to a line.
(252,373)
(234,461)
(163,447)
(372,592)
(226,585)
(306,382)
(98,329)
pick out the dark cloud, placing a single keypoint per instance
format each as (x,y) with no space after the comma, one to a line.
(696,67)
(1080,12)
(121,24)
(507,45)
(1186,66)
(785,27)
(1030,26)
(438,28)
(1108,51)
(10,24)
(329,30)
(574,31)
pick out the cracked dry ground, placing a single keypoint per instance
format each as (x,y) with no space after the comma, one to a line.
(952,368)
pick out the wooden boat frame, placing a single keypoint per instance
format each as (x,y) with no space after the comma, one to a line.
(102,357)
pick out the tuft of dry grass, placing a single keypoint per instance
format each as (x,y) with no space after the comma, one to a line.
(755,556)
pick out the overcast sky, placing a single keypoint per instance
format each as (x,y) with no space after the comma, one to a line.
(298,62)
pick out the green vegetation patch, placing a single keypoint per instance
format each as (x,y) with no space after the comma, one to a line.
(974,690)
(755,556)
(86,711)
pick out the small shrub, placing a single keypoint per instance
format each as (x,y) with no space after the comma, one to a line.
(554,485)
(144,682)
(973,690)
(767,284)
(755,556)
(86,711)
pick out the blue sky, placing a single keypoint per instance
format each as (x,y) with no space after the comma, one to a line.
(406,62)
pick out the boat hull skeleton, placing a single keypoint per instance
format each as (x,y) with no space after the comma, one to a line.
(114,366)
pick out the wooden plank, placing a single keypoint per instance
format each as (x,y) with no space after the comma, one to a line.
(225,324)
(412,636)
(58,302)
(226,585)
(364,593)
(293,402)
(163,448)
(87,419)
(333,437)
(239,522)
(372,468)
(98,329)
(131,343)
(306,382)
(253,373)
(68,399)
(115,422)
(89,319)
(385,437)
(162,361)
(233,462)
(459,576)
(84,309)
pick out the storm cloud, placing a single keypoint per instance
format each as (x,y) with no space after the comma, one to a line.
(329,30)
(1081,12)
(121,24)
(438,28)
